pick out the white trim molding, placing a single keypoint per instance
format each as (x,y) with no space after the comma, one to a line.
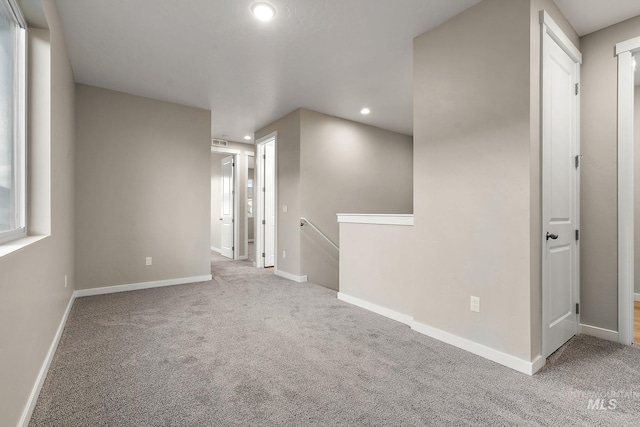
(299,279)
(504,359)
(624,52)
(44,369)
(380,219)
(558,35)
(42,375)
(141,285)
(594,331)
(224,150)
(215,249)
(636,297)
(520,365)
(378,309)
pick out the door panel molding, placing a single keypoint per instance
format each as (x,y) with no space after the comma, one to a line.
(560,186)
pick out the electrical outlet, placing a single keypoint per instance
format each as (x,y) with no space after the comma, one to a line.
(284,254)
(475,304)
(149,260)
(66,281)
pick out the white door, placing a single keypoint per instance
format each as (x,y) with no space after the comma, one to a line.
(560,204)
(269,204)
(227,213)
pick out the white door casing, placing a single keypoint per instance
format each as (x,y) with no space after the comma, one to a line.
(259,194)
(625,51)
(269,204)
(227,211)
(560,188)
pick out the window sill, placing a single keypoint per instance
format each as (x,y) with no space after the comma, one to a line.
(16,245)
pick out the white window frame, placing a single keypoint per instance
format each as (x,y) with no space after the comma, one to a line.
(20,134)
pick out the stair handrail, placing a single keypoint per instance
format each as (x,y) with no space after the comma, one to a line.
(304,221)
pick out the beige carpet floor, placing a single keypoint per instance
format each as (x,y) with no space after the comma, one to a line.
(253,349)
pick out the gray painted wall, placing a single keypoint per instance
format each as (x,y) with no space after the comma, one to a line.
(32,279)
(476,185)
(598,204)
(347,167)
(328,165)
(143,189)
(472,180)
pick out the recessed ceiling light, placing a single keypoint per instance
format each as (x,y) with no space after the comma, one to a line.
(247,137)
(263,11)
(365,111)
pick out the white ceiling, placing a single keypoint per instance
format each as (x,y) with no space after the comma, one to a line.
(588,16)
(332,56)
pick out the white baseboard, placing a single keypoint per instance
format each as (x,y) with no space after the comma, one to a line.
(214,249)
(636,297)
(142,285)
(594,331)
(241,257)
(299,279)
(44,369)
(383,311)
(504,359)
(537,364)
(42,375)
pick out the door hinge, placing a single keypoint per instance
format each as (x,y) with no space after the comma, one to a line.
(262,254)
(577,235)
(264,156)
(263,221)
(233,248)
(263,189)
(233,165)
(577,160)
(577,88)
(577,308)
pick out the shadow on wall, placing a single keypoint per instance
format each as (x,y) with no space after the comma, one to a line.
(324,256)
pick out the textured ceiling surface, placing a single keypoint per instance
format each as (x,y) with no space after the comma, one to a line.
(333,56)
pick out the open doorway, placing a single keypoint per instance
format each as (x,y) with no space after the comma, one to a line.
(628,52)
(224,203)
(250,222)
(231,204)
(266,198)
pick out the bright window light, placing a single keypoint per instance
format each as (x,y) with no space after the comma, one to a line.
(12,122)
(263,11)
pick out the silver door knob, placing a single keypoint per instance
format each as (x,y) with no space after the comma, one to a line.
(553,236)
